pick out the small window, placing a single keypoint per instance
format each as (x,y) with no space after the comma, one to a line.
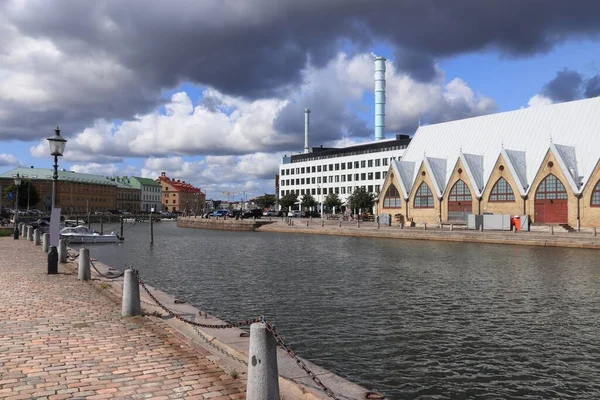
(384,161)
(370,163)
(392,198)
(502,192)
(460,192)
(362,164)
(596,195)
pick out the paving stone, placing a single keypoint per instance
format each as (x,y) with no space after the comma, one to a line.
(66,339)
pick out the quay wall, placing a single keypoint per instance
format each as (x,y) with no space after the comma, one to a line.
(220,223)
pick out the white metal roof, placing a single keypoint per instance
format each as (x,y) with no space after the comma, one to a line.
(574,128)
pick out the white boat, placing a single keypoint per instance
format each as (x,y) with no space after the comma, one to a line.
(81,234)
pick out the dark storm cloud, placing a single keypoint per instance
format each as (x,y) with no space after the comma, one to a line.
(256,48)
(592,87)
(566,86)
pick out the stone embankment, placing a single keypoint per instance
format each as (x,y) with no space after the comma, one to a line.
(539,236)
(226,224)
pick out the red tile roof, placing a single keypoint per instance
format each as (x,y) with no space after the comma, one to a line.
(178,185)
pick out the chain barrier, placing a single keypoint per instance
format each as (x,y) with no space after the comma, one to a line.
(209,342)
(105,276)
(270,328)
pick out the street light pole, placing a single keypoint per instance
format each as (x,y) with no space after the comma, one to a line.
(17,184)
(57,147)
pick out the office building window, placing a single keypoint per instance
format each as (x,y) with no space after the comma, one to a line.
(312,180)
(350,165)
(337,190)
(343,190)
(363,176)
(370,163)
(356,177)
(363,164)
(377,162)
(384,174)
(313,191)
(313,168)
(343,166)
(337,167)
(343,178)
(337,178)
(349,177)
(377,175)
(324,190)
(377,188)
(302,181)
(384,161)
(318,179)
(356,165)
(370,176)
(318,168)
(302,169)
(370,188)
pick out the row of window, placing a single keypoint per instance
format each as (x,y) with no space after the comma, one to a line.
(337,166)
(151,197)
(551,188)
(337,190)
(365,176)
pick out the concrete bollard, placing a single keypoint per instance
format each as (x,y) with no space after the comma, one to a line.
(358,224)
(36,237)
(306,223)
(131,295)
(425,226)
(340,224)
(22,229)
(322,223)
(451,227)
(481,228)
(402,225)
(62,251)
(30,233)
(263,376)
(514,229)
(45,242)
(377,224)
(84,273)
(594,231)
(552,229)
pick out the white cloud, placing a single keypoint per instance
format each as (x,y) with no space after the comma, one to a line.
(8,160)
(539,100)
(96,169)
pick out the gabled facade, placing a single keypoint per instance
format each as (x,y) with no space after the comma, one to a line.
(180,196)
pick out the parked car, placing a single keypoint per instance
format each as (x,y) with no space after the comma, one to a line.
(271,213)
(234,213)
(219,213)
(295,214)
(313,214)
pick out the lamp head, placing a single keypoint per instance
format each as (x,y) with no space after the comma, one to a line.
(57,143)
(17,180)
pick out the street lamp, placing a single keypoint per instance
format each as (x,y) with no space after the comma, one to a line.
(57,147)
(17,184)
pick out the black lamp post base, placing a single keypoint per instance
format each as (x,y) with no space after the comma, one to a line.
(16,233)
(52,261)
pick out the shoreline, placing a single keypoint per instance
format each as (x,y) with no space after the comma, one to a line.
(537,237)
(229,347)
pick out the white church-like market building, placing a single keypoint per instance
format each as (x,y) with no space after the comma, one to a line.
(539,161)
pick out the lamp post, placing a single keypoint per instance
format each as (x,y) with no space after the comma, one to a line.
(57,147)
(17,184)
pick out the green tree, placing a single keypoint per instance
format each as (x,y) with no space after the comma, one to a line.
(332,200)
(288,200)
(361,199)
(28,194)
(308,201)
(266,201)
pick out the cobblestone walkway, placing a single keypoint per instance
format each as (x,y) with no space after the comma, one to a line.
(61,338)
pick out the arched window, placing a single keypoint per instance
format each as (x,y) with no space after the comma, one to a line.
(551,188)
(502,191)
(392,198)
(596,195)
(423,197)
(460,192)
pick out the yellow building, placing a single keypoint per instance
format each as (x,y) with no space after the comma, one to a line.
(180,197)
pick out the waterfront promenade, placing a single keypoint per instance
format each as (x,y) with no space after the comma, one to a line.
(538,236)
(61,338)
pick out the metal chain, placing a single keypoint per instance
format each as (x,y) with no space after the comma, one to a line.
(301,364)
(209,342)
(105,276)
(187,321)
(270,328)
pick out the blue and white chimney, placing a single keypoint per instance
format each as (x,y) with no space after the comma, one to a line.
(306,127)
(379,98)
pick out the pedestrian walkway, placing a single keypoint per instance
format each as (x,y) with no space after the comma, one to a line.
(61,338)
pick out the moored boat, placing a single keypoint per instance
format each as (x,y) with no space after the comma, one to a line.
(81,234)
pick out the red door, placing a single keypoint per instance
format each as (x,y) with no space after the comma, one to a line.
(551,204)
(458,210)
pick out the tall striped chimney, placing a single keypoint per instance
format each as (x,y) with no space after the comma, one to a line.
(306,123)
(379,98)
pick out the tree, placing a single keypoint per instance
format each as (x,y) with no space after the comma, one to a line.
(332,200)
(361,199)
(28,194)
(288,200)
(308,201)
(266,201)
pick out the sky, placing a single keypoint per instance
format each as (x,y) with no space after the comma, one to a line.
(213,91)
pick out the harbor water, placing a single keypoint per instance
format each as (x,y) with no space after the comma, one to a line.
(412,319)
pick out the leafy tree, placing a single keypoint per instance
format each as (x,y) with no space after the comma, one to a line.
(266,201)
(361,199)
(288,200)
(332,200)
(28,194)
(308,201)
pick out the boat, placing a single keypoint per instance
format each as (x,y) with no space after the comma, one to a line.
(81,234)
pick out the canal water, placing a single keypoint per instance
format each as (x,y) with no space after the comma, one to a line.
(412,319)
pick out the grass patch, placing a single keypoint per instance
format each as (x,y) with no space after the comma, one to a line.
(234,374)
(104,285)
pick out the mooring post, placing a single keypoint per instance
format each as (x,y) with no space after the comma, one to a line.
(121,226)
(306,223)
(322,223)
(84,273)
(263,376)
(45,242)
(22,229)
(340,224)
(131,306)
(358,224)
(89,222)
(451,227)
(30,233)
(36,237)
(101,225)
(552,229)
(62,251)
(594,231)
(425,226)
(377,224)
(481,227)
(514,229)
